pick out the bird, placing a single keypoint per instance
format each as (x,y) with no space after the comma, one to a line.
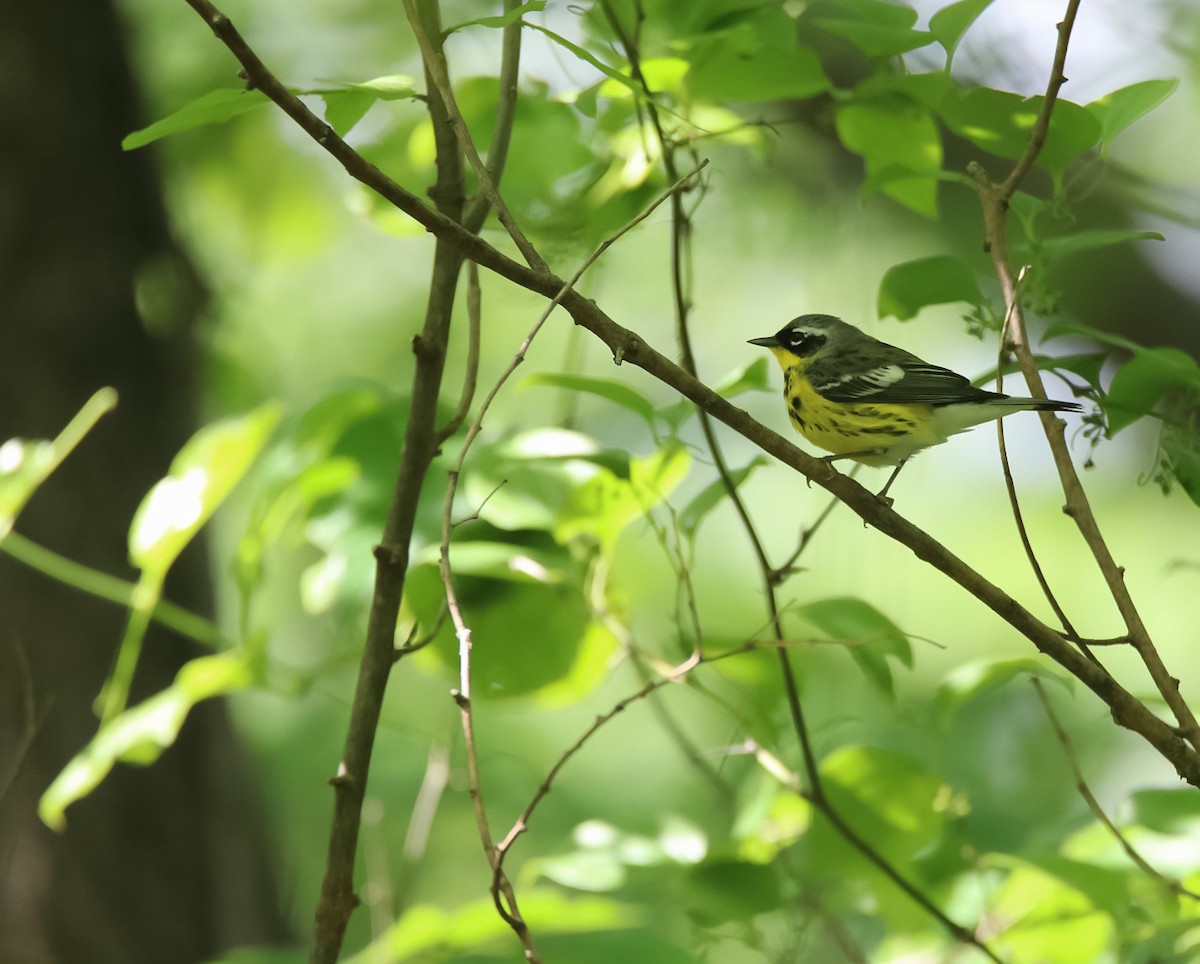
(860,398)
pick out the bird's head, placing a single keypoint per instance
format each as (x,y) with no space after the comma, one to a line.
(803,337)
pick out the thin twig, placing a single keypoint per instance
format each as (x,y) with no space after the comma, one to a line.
(435,65)
(31,722)
(467,396)
(1011,487)
(500,882)
(1094,805)
(506,112)
(1041,126)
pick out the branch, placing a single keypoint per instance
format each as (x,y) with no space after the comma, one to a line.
(994,199)
(1094,805)
(1041,127)
(501,885)
(439,78)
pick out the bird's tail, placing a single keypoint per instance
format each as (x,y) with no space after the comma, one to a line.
(1040,404)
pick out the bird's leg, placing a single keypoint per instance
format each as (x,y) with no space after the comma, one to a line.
(891,478)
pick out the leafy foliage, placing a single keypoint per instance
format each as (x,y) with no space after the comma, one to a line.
(577,544)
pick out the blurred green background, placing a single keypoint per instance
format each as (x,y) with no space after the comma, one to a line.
(274,278)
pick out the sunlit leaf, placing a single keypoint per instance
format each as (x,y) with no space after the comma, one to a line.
(1118,110)
(1172,811)
(895,135)
(751,377)
(215,107)
(500,560)
(1001,123)
(590,870)
(605,505)
(26,463)
(526,635)
(139,735)
(741,67)
(886,796)
(475,926)
(942,279)
(1046,918)
(203,473)
(876,40)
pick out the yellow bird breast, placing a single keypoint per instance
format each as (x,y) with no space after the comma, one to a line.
(876,433)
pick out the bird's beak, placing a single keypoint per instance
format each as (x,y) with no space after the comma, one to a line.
(768,342)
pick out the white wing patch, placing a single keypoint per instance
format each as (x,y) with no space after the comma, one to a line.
(864,384)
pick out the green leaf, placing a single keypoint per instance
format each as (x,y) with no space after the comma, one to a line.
(610,72)
(1001,122)
(427,932)
(604,506)
(1059,247)
(950,23)
(25,464)
(1172,812)
(500,560)
(754,61)
(525,635)
(1145,380)
(938,280)
(613,390)
(1048,919)
(1116,111)
(1181,451)
(215,107)
(870,636)
(723,890)
(503,20)
(204,472)
(1087,365)
(1075,329)
(712,495)
(748,378)
(980,677)
(878,41)
(591,870)
(139,735)
(886,796)
(895,134)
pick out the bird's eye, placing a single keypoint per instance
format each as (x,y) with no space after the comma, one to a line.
(803,342)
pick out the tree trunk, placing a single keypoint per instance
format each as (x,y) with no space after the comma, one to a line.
(167,863)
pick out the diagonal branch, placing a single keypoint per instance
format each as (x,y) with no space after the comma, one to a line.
(628,346)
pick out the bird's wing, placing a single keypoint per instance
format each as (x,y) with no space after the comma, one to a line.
(902,381)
